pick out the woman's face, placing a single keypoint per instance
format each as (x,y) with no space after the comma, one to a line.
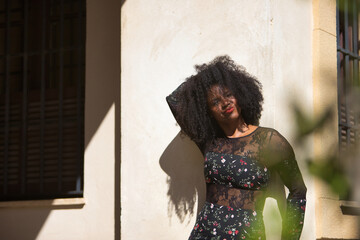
(222,104)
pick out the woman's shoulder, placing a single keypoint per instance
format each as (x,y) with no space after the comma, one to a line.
(277,143)
(270,131)
(267,131)
(272,136)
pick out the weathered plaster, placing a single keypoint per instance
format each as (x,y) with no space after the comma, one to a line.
(161,41)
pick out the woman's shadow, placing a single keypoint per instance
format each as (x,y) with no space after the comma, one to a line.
(183,162)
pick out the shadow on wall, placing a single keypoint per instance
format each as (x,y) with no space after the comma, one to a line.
(14,227)
(26,223)
(183,162)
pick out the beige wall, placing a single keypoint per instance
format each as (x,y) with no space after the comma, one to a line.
(96,219)
(161,41)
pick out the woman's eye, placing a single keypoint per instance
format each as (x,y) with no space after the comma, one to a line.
(228,95)
(215,102)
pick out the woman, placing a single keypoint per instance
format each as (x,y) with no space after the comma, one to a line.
(219,109)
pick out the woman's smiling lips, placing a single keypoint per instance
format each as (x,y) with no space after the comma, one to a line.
(229,110)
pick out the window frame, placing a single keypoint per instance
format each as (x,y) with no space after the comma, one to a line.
(348,59)
(45,97)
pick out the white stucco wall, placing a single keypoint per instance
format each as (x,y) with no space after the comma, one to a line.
(161,41)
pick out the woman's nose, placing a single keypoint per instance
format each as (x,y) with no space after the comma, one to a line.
(225,103)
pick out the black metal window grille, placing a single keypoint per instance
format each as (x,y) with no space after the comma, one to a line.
(41,98)
(348,70)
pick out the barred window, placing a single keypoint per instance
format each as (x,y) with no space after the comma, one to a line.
(348,70)
(41,98)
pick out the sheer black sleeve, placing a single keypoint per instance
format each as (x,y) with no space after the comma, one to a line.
(287,167)
(173,102)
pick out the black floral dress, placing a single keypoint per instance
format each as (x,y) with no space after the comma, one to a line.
(237,173)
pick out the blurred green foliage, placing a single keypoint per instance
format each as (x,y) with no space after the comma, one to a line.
(307,125)
(331,172)
(329,167)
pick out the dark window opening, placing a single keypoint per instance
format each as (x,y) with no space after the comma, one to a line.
(348,72)
(42,75)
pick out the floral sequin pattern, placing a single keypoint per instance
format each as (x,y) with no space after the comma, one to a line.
(226,223)
(295,217)
(235,171)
